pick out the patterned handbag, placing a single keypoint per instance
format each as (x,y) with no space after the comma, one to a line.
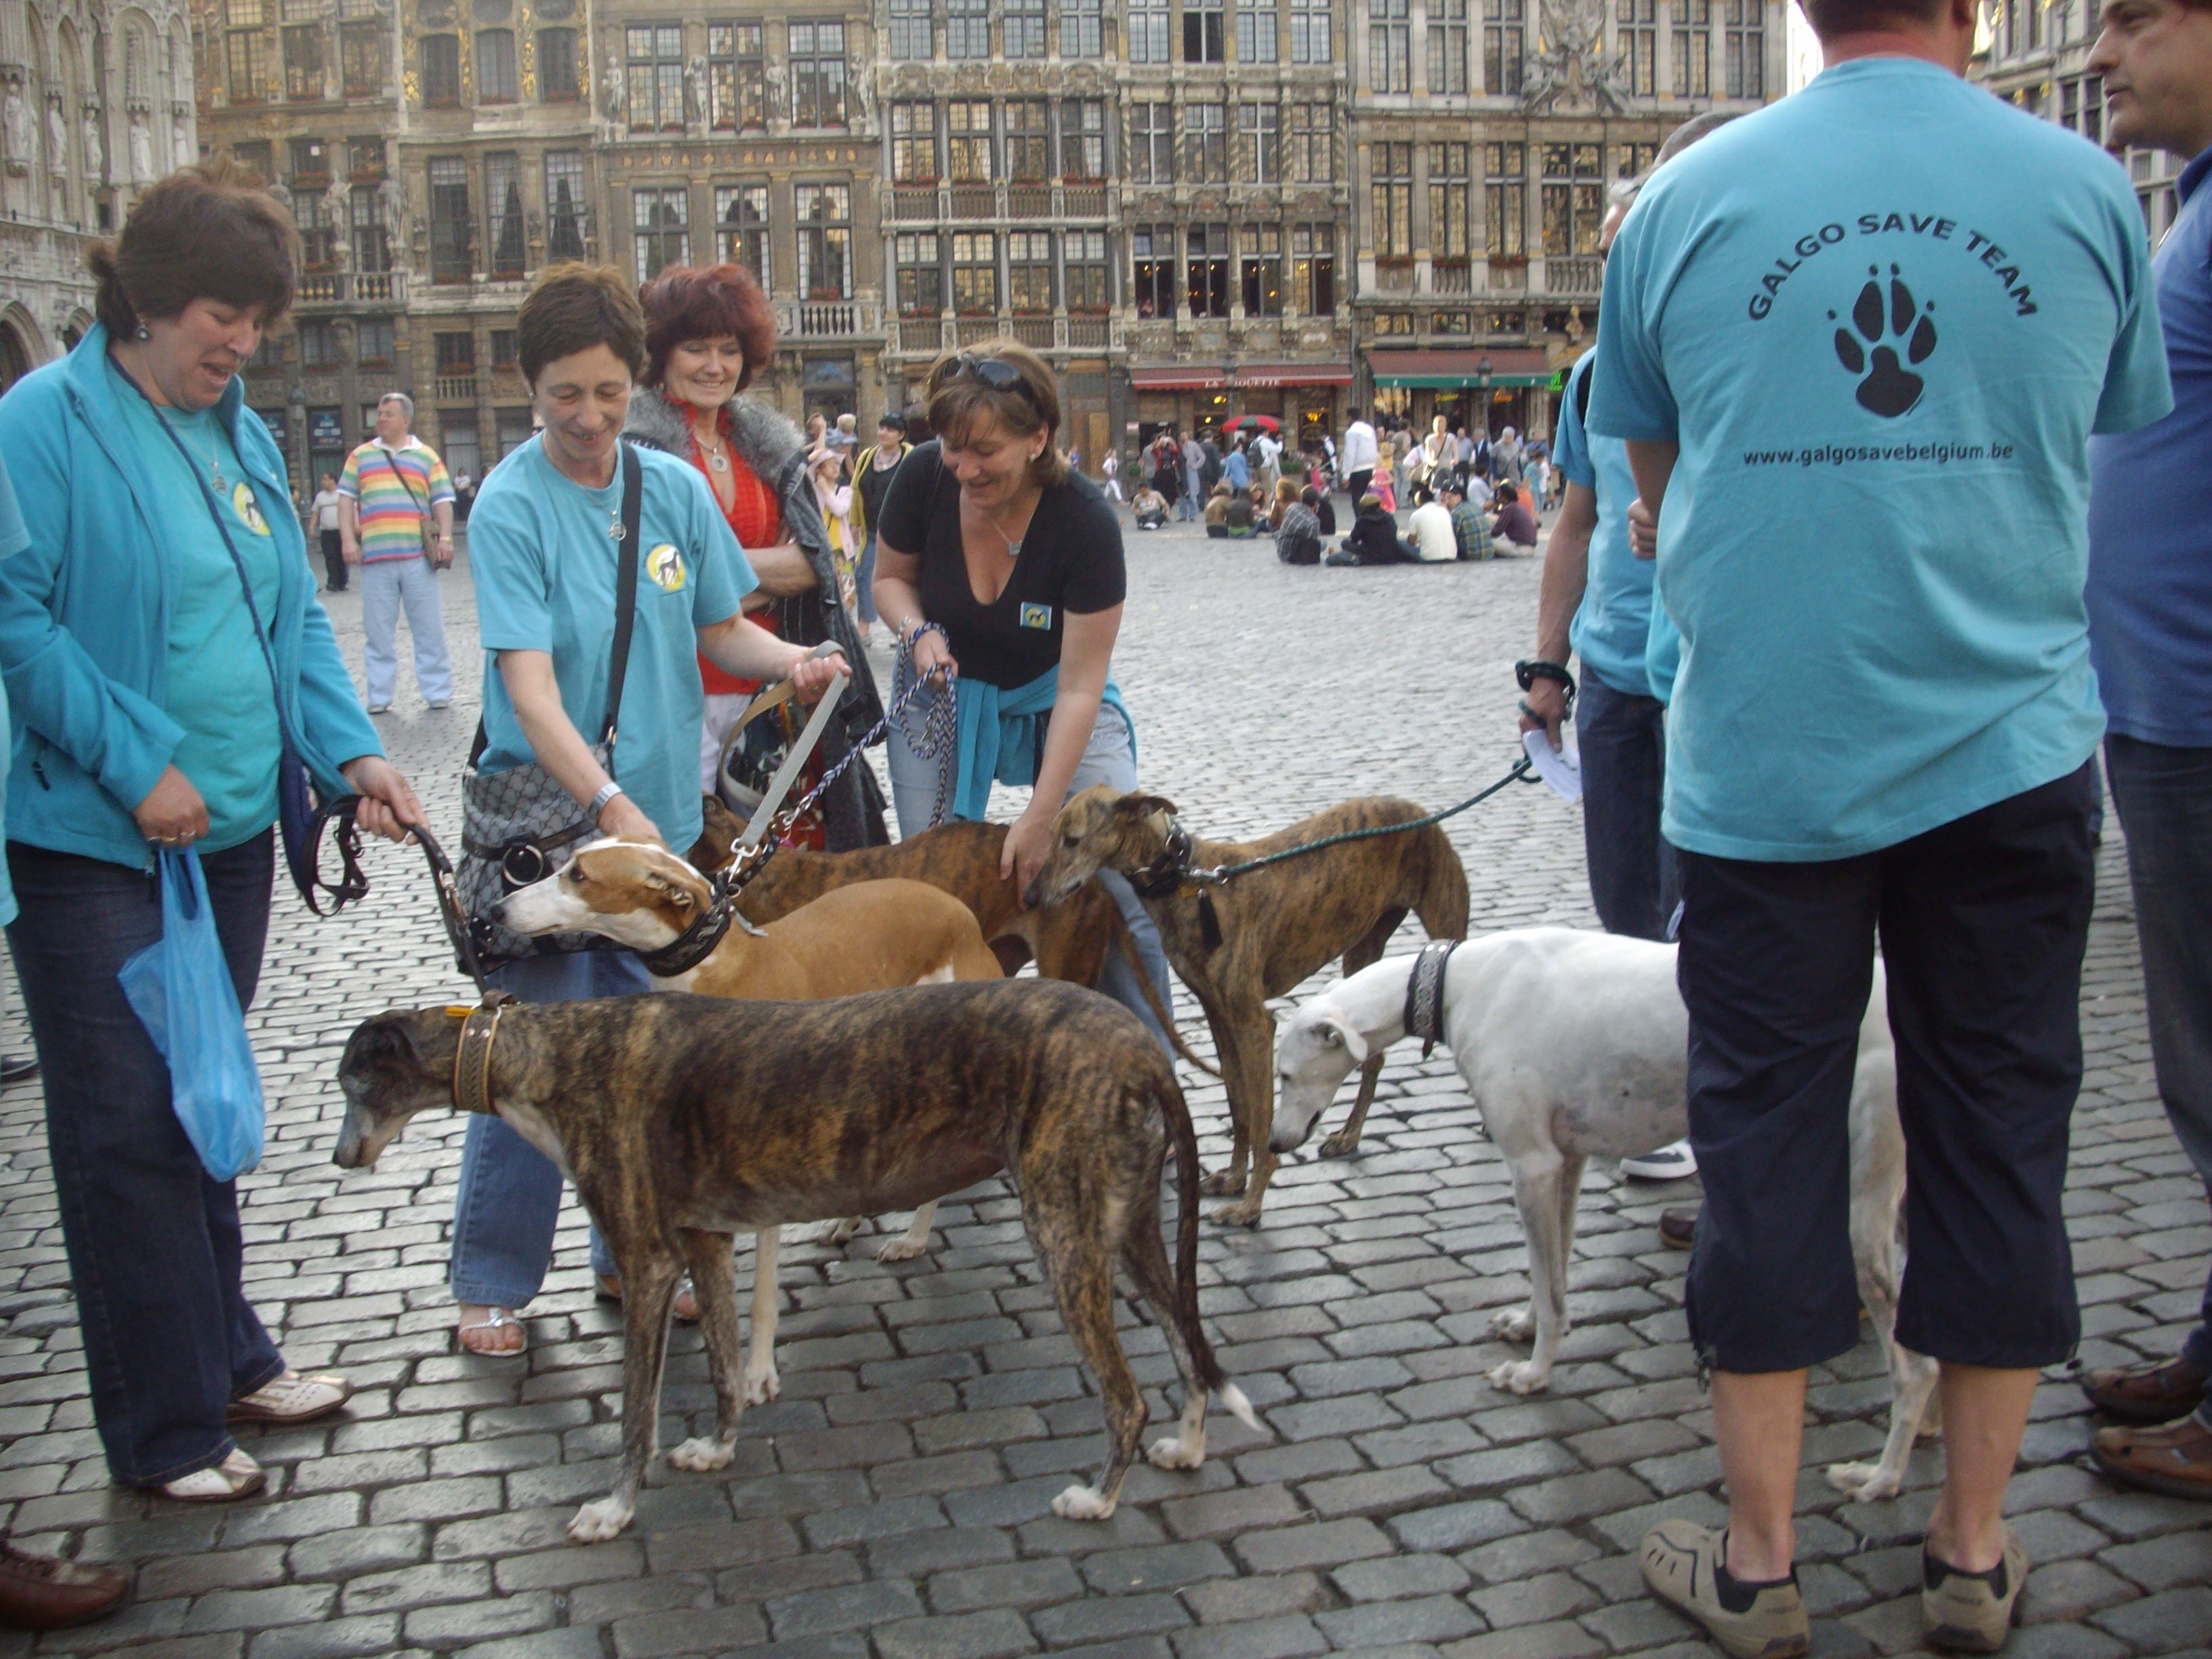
(520,825)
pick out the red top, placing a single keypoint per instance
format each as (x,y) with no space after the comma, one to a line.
(755,518)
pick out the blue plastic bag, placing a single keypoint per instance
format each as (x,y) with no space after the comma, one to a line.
(181,992)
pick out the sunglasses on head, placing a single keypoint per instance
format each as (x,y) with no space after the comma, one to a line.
(995,373)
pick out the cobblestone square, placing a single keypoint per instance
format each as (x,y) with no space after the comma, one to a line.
(894,1504)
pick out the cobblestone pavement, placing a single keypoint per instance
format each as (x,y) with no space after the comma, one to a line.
(896,1497)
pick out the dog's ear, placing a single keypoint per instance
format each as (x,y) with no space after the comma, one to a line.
(1339,1032)
(671,890)
(387,1039)
(1143,807)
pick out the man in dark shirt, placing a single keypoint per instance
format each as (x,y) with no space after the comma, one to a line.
(872,480)
(1514,523)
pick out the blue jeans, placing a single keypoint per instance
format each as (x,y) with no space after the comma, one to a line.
(2165,798)
(1623,740)
(1187,503)
(153,1241)
(1105,760)
(509,1199)
(386,585)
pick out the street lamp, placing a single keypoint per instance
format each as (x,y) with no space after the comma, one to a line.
(1482,379)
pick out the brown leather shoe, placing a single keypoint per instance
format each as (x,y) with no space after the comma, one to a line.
(37,1592)
(2175,1459)
(2152,1391)
(1678,1226)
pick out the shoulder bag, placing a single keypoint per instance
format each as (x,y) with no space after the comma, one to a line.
(520,825)
(426,520)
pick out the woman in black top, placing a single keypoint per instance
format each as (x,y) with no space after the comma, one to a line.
(997,562)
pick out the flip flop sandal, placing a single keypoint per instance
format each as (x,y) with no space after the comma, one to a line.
(292,1398)
(608,1288)
(501,1319)
(237,1476)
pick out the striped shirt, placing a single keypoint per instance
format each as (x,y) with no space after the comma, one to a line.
(396,488)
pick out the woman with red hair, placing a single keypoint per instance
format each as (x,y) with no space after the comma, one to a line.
(708,332)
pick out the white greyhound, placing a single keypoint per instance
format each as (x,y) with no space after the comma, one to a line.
(1575,1045)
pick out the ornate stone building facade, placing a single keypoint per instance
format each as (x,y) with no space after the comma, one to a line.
(95,103)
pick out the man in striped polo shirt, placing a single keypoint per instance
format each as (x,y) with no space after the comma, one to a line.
(394,488)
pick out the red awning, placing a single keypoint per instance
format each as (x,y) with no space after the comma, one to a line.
(1195,377)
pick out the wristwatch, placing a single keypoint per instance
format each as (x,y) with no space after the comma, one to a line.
(605,796)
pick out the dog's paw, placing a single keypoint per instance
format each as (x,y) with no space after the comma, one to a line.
(1864,1483)
(760,1387)
(1222,1183)
(597,1522)
(1521,1376)
(1342,1144)
(1513,1324)
(1172,1454)
(902,1249)
(1083,1504)
(1246,1214)
(701,1453)
(839,1232)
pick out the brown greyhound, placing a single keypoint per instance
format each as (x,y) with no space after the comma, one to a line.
(1272,928)
(681,1119)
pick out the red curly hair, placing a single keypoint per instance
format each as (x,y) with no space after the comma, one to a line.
(706,303)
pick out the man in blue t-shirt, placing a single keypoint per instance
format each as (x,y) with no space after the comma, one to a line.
(1856,342)
(2150,623)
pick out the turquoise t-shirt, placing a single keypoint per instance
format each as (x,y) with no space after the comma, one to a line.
(217,685)
(1615,614)
(544,567)
(1881,319)
(14,538)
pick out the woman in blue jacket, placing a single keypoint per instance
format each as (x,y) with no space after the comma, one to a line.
(162,543)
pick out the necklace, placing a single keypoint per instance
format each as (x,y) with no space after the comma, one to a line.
(214,459)
(718,457)
(1013,543)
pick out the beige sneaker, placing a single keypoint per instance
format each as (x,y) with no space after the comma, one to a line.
(1682,1562)
(1971,1611)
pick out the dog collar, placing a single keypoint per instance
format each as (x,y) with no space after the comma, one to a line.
(472,1055)
(695,943)
(1424,993)
(1170,871)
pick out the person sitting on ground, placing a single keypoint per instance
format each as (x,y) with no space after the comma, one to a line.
(1513,522)
(1469,532)
(1217,512)
(1151,508)
(1374,538)
(1324,509)
(1297,537)
(1433,537)
(1286,498)
(1238,518)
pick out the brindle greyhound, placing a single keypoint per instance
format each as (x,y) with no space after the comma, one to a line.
(1270,929)
(681,1119)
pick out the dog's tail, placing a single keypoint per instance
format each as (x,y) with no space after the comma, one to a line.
(1176,1110)
(1127,943)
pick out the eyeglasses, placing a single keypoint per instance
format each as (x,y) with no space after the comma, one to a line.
(995,373)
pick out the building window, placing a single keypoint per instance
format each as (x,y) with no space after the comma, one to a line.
(504,352)
(364,159)
(1082,31)
(1313,143)
(1024,31)
(1390,45)
(372,248)
(2092,108)
(557,82)
(564,204)
(449,219)
(243,46)
(1152,144)
(737,74)
(1505,199)
(319,343)
(311,164)
(1392,195)
(1028,269)
(456,353)
(441,71)
(1636,44)
(373,341)
(1260,137)
(661,221)
(1257,38)
(1310,36)
(318,234)
(254,157)
(1206,144)
(269,355)
(1207,266)
(1149,31)
(913,143)
(1450,322)
(364,54)
(1633,161)
(495,81)
(818,74)
(1450,193)
(1509,322)
(825,240)
(504,212)
(1313,268)
(1261,269)
(1448,46)
(975,273)
(655,53)
(741,220)
(1152,253)
(920,277)
(1394,322)
(1505,44)
(1574,197)
(968,140)
(1029,140)
(967,28)
(1693,48)
(303,62)
(1744,49)
(1089,283)
(1082,138)
(909,33)
(1201,34)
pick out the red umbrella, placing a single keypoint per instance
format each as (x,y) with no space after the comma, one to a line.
(1265,422)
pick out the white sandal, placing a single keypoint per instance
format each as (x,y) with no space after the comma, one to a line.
(292,1398)
(501,1319)
(236,1476)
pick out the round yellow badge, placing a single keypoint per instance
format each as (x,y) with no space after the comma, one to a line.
(248,510)
(664,565)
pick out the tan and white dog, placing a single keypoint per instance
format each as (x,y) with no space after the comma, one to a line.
(871,936)
(1575,1045)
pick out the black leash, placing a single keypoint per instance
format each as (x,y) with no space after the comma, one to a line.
(353,881)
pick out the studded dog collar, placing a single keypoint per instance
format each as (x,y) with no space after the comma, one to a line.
(1424,993)
(472,1054)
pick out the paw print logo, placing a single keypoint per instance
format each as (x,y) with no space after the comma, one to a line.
(1902,325)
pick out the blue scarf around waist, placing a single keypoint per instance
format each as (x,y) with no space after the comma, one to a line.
(1001,730)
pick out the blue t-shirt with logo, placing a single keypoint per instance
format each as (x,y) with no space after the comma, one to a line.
(1881,319)
(545,564)
(1611,623)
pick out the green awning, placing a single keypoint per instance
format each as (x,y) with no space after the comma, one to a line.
(1462,381)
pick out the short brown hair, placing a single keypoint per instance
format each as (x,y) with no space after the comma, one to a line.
(207,232)
(706,303)
(1830,18)
(958,400)
(573,307)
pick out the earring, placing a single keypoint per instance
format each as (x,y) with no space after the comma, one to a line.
(144,333)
